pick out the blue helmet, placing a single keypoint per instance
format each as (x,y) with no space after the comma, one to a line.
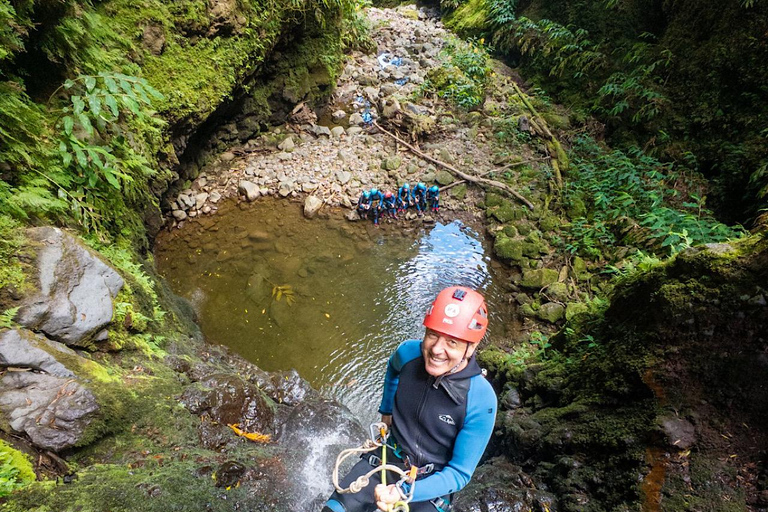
(406,186)
(366,194)
(433,188)
(374,191)
(421,186)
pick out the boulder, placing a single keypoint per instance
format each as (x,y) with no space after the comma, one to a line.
(287,145)
(249,189)
(539,278)
(343,177)
(337,131)
(444,177)
(200,199)
(311,206)
(680,433)
(53,411)
(321,130)
(551,312)
(74,302)
(228,399)
(20,348)
(355,119)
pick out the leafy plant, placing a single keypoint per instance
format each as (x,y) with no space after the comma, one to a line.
(462,79)
(631,198)
(15,469)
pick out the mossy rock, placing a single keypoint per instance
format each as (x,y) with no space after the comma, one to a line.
(392,163)
(576,209)
(549,223)
(411,14)
(573,309)
(557,291)
(492,199)
(556,121)
(508,249)
(551,312)
(444,178)
(527,311)
(524,228)
(580,269)
(510,230)
(539,278)
(459,192)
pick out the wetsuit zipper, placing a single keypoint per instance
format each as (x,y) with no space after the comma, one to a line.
(420,410)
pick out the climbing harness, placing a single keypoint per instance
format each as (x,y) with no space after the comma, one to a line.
(379,434)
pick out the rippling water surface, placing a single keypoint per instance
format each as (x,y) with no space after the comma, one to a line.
(329,298)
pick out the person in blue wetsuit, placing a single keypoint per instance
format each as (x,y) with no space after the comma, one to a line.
(390,204)
(440,409)
(433,198)
(420,197)
(364,204)
(404,199)
(377,200)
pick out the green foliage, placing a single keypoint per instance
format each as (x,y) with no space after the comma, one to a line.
(11,242)
(15,469)
(463,76)
(106,162)
(7,316)
(632,198)
(139,297)
(356,29)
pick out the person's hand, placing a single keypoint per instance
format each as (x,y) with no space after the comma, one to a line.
(386,419)
(386,496)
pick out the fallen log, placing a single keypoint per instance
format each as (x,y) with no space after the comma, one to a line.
(464,176)
(559,158)
(500,169)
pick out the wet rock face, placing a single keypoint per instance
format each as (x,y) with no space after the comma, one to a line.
(313,434)
(502,487)
(228,399)
(53,411)
(74,302)
(284,387)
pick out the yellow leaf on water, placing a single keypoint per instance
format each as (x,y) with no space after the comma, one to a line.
(263,311)
(327,315)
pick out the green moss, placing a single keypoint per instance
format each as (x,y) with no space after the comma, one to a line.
(16,470)
(12,240)
(470,18)
(539,278)
(508,249)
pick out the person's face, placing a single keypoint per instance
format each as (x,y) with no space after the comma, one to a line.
(441,353)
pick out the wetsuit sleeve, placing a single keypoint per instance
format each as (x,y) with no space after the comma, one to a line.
(469,446)
(405,352)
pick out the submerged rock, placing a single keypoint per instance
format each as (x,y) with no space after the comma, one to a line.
(74,302)
(312,205)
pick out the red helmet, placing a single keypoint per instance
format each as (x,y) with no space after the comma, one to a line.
(458,312)
(388,195)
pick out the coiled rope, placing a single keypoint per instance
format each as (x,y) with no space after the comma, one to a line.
(379,434)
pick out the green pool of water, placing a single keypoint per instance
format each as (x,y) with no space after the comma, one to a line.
(327,297)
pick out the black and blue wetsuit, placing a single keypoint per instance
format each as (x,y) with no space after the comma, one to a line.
(364,205)
(376,207)
(433,198)
(404,197)
(420,197)
(440,424)
(390,205)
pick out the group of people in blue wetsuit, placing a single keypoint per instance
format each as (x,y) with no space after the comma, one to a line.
(374,203)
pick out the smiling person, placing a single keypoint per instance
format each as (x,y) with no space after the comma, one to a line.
(439,406)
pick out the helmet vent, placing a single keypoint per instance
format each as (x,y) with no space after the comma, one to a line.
(482,312)
(459,294)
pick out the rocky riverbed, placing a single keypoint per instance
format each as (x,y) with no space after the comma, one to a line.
(330,160)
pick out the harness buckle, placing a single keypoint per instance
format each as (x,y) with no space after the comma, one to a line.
(374,460)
